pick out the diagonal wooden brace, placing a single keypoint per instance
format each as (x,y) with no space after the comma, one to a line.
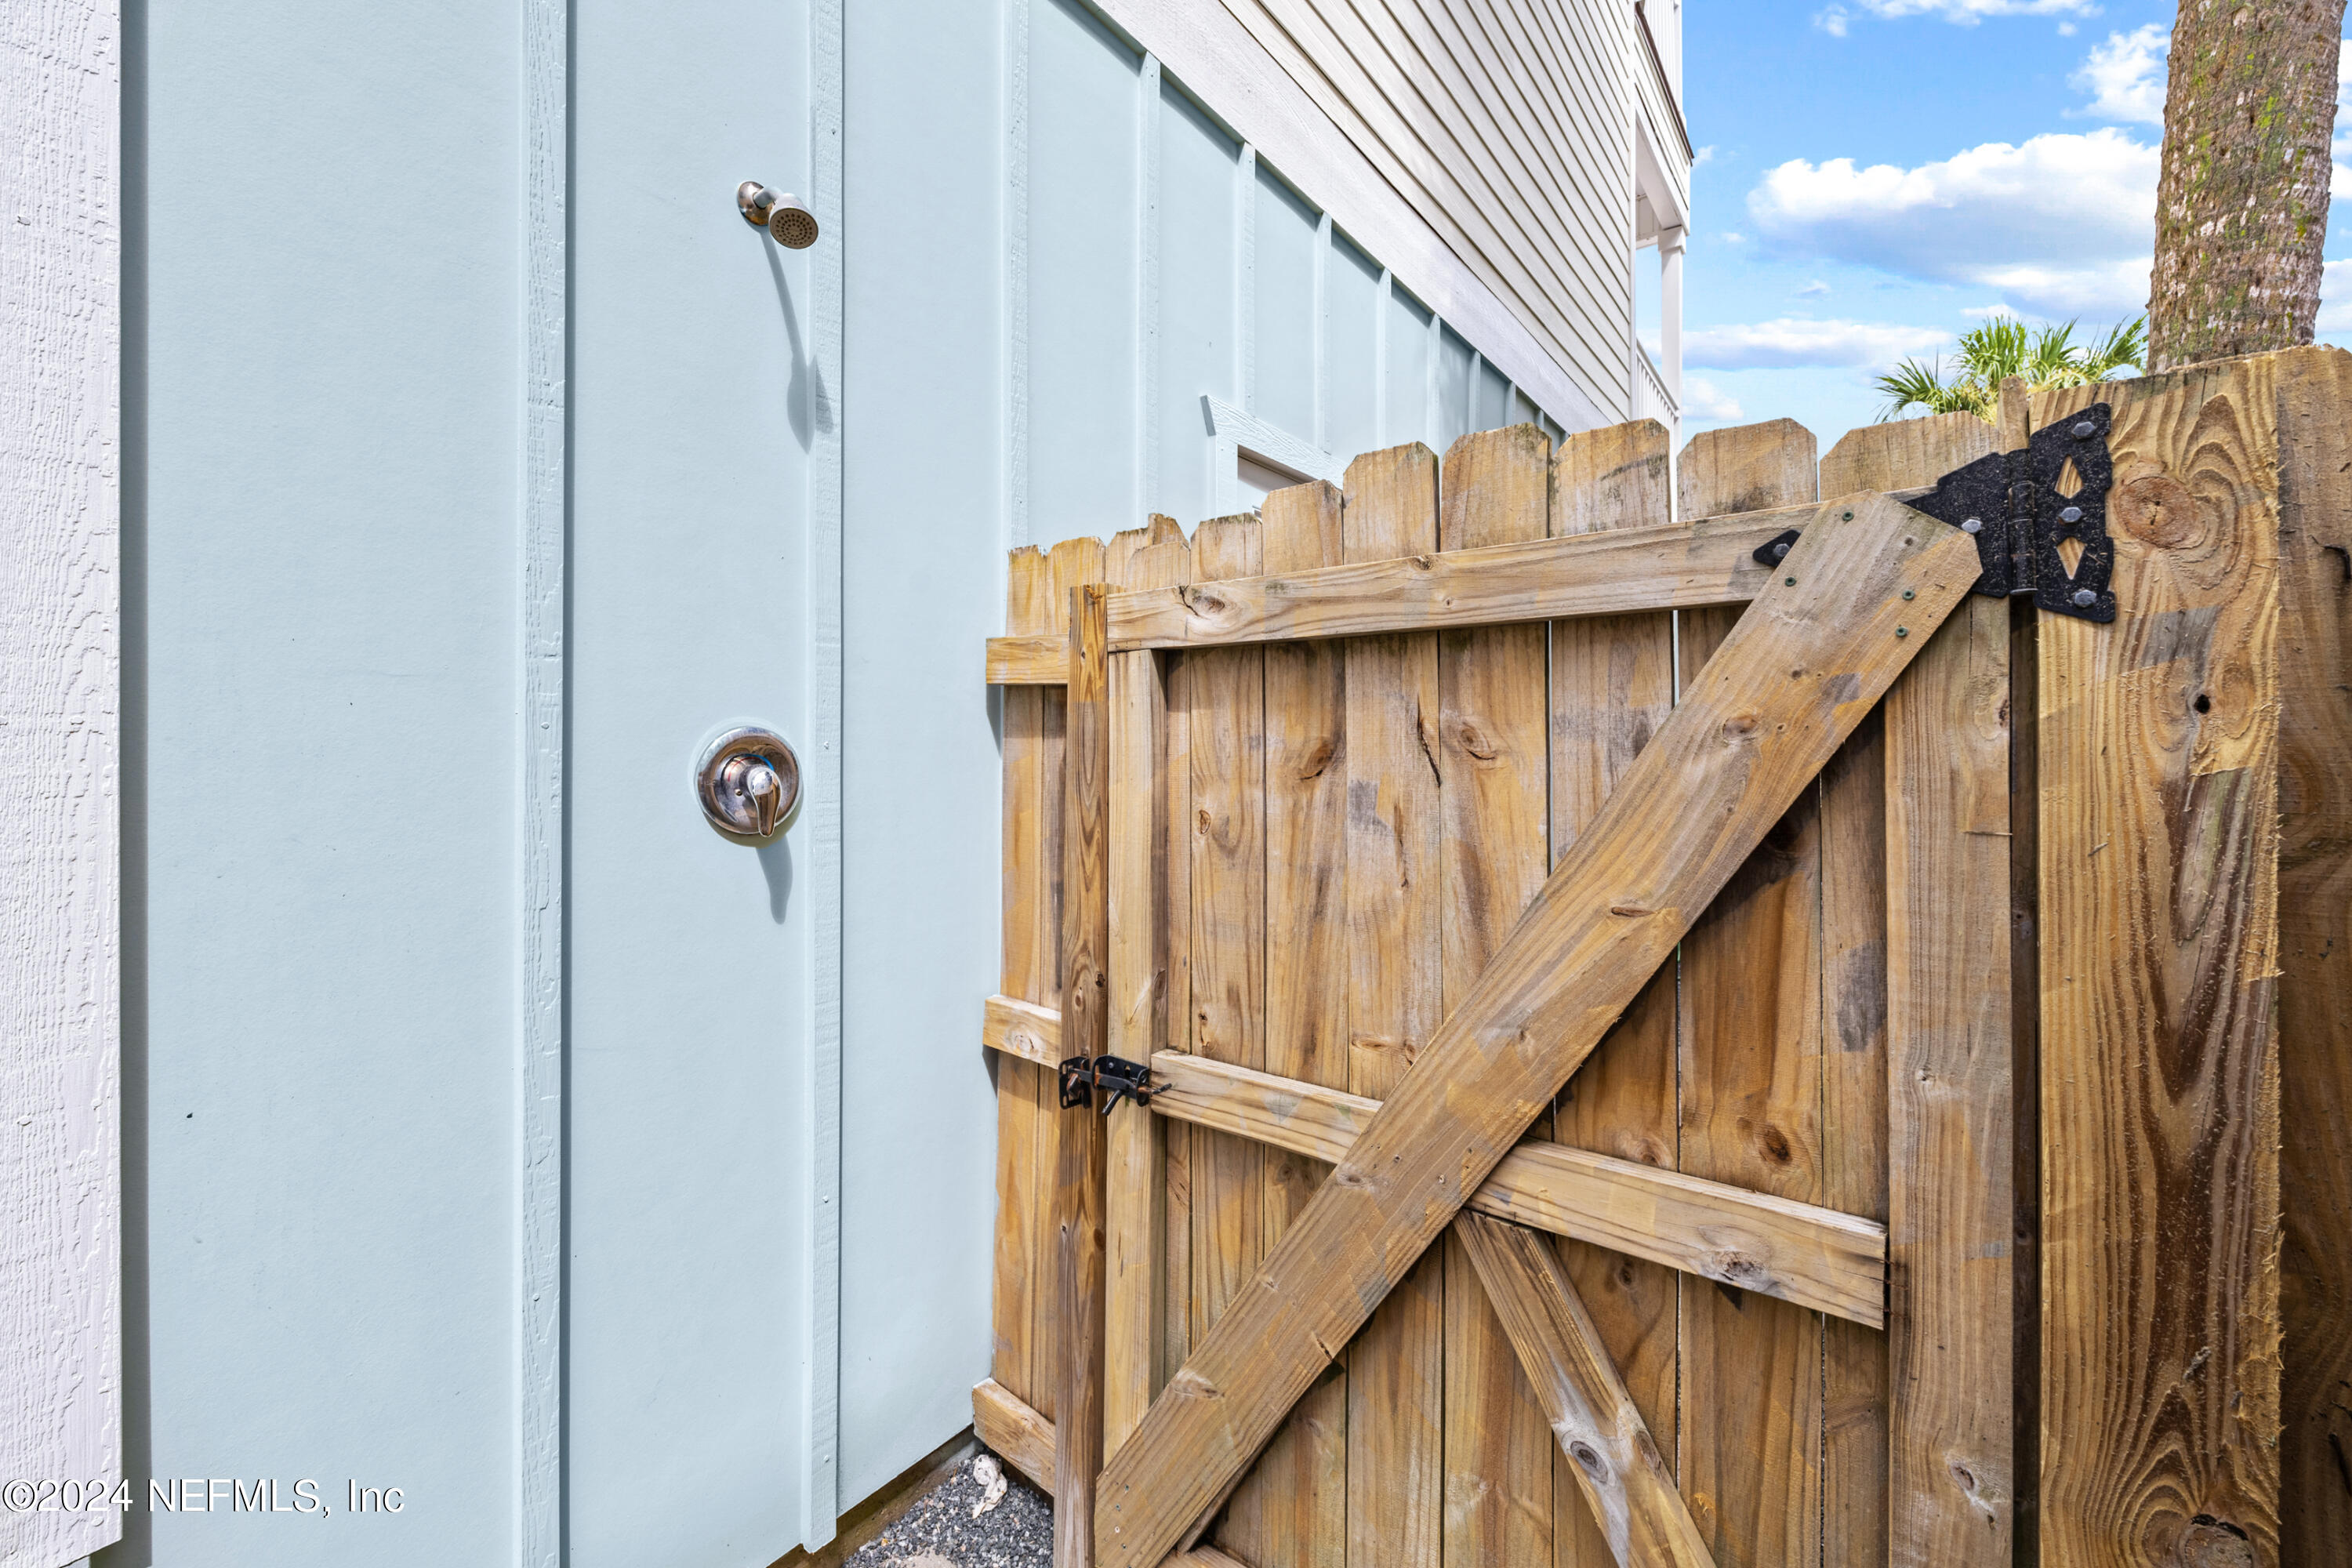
(1615,1460)
(1861,593)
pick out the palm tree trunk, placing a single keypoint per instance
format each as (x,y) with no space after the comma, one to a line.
(2242,205)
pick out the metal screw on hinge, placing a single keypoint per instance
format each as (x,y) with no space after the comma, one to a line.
(1973,525)
(2084,598)
(1780,552)
(2083,431)
(2071,514)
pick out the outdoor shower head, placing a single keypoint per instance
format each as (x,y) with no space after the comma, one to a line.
(781,214)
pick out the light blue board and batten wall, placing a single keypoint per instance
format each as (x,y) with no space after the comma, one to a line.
(1198,306)
(493,1131)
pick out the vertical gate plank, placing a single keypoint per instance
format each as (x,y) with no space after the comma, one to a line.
(1030,964)
(2160,1088)
(1494,489)
(1302,1507)
(1134,1193)
(1069,565)
(1080,1145)
(2315,948)
(1396,1367)
(1612,687)
(1750,1070)
(1168,564)
(1228,742)
(1938,1079)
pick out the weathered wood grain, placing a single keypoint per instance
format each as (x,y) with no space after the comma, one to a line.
(1135,1250)
(1228,852)
(1815,1256)
(1652,568)
(1751,1055)
(1494,488)
(2160,1088)
(1395,996)
(1611,687)
(1029,973)
(1799,673)
(2314,1008)
(1135,1188)
(1014,1431)
(1301,1504)
(1916,909)
(1081,1147)
(1022,1029)
(1038,659)
(1170,561)
(1624,1478)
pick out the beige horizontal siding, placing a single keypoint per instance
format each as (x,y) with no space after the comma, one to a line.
(1507,125)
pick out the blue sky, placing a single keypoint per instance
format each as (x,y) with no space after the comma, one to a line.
(1877,175)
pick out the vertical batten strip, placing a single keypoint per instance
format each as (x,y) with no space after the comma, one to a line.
(539,1078)
(1147,286)
(1015,419)
(821,1423)
(1244,284)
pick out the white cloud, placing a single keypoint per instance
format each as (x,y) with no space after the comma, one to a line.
(1986,312)
(1702,399)
(1813,290)
(1789,342)
(2063,225)
(1966,13)
(2335,297)
(2125,76)
(1704,155)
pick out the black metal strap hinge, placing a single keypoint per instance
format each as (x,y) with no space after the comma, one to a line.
(1115,1076)
(2010,503)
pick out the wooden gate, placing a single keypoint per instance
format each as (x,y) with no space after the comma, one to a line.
(1843,1131)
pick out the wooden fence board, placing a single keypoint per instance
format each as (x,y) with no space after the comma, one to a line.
(1494,488)
(1396,996)
(1626,1482)
(1228,751)
(1750,1040)
(2315,1028)
(1799,673)
(1941,1482)
(1167,564)
(1612,687)
(1134,1198)
(2158,888)
(1030,970)
(1302,1509)
(1081,1147)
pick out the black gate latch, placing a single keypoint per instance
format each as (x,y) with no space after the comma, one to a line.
(1120,1078)
(2009,502)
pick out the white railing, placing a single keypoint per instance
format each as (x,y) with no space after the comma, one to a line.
(1651,398)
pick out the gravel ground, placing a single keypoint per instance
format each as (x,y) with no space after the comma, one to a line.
(942,1531)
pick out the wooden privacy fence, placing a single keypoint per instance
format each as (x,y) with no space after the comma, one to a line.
(1666,1052)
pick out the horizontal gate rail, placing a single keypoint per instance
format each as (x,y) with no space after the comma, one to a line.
(1677,566)
(1817,1258)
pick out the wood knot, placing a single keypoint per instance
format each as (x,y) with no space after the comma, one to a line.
(1740,727)
(1588,1459)
(2156,508)
(2211,1542)
(1775,1144)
